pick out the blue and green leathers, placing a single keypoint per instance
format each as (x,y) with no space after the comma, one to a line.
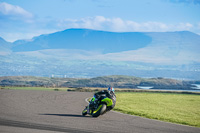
(92,99)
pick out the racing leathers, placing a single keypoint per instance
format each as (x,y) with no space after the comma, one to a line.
(109,94)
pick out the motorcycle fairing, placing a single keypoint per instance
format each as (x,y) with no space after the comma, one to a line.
(108,101)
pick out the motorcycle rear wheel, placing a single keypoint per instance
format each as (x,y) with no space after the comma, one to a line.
(100,110)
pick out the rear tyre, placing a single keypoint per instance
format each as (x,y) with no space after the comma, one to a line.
(100,110)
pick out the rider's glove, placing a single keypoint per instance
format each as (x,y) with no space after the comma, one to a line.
(96,96)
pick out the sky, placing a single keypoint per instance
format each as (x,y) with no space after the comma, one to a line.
(25,19)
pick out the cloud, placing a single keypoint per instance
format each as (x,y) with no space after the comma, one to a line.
(8,11)
(26,34)
(13,30)
(186,1)
(120,25)
(198,25)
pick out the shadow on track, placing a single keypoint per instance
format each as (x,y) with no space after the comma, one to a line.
(21,124)
(66,115)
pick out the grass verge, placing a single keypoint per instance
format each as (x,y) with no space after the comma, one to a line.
(176,108)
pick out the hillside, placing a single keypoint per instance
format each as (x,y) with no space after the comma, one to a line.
(85,39)
(168,48)
(150,47)
(5,47)
(105,81)
(85,53)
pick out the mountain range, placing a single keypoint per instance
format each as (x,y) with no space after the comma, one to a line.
(85,39)
(90,53)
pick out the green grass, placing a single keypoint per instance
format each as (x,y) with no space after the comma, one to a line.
(176,108)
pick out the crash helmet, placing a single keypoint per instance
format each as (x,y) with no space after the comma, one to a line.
(111,89)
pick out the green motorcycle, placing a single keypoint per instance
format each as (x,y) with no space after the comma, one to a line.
(97,107)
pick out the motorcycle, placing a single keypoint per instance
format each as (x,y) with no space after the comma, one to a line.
(97,107)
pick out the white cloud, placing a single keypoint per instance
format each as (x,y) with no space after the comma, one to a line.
(120,25)
(13,12)
(27,35)
(185,1)
(184,26)
(198,25)
(14,30)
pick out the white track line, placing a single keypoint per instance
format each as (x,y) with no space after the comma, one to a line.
(87,99)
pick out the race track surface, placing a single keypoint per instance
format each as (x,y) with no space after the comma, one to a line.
(29,111)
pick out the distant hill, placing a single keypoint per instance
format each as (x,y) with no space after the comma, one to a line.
(167,48)
(5,47)
(118,81)
(151,47)
(85,39)
(91,53)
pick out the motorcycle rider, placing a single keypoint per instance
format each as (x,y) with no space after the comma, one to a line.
(110,93)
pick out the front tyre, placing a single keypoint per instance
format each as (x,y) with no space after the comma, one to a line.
(84,112)
(100,110)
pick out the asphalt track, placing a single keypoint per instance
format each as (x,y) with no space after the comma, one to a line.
(29,111)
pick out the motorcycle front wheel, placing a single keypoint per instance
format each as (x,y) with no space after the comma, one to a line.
(84,112)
